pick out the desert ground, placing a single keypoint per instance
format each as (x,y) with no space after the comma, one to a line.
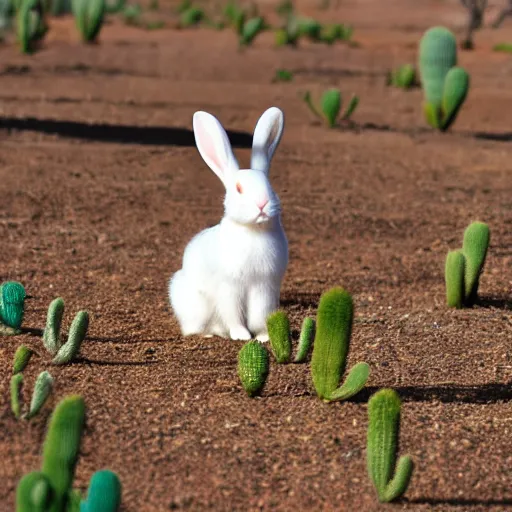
(102,187)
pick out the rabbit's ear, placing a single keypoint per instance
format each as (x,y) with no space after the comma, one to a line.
(213,145)
(267,135)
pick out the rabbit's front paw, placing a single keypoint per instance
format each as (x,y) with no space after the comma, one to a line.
(239,333)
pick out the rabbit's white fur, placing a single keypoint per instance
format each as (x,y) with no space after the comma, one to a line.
(232,273)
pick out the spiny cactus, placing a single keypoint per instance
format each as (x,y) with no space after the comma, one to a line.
(330,348)
(42,390)
(21,359)
(390,478)
(278,327)
(307,335)
(104,494)
(61,448)
(89,17)
(463,267)
(445,86)
(331,102)
(64,353)
(12,306)
(253,367)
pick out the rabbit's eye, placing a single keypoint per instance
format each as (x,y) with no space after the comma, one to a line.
(239,188)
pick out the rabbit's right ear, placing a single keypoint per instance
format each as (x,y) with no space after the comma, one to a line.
(213,145)
(267,136)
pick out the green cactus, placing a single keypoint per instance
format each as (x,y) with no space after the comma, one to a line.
(31,24)
(61,449)
(331,103)
(104,494)
(251,29)
(16,384)
(21,359)
(278,327)
(89,16)
(307,335)
(64,353)
(253,367)
(403,77)
(34,493)
(12,305)
(445,86)
(191,16)
(474,247)
(330,348)
(390,478)
(454,278)
(42,390)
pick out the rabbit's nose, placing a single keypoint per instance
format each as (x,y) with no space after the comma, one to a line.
(261,204)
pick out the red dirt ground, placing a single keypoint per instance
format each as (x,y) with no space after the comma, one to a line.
(102,188)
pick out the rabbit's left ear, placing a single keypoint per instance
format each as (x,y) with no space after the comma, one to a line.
(267,136)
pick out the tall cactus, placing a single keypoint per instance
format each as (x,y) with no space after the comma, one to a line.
(454,279)
(278,327)
(330,348)
(307,333)
(253,367)
(12,304)
(104,494)
(61,448)
(445,86)
(390,478)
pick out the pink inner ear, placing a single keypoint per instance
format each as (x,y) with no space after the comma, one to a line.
(209,148)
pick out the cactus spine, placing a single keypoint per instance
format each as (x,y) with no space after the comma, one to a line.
(61,448)
(390,479)
(278,327)
(307,333)
(64,353)
(330,348)
(104,494)
(12,305)
(21,359)
(463,267)
(253,367)
(445,86)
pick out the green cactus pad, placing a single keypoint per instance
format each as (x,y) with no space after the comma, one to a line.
(104,494)
(251,29)
(456,87)
(77,333)
(331,106)
(21,358)
(474,247)
(89,17)
(307,335)
(42,390)
(61,448)
(278,327)
(382,444)
(454,279)
(12,304)
(34,493)
(51,334)
(253,367)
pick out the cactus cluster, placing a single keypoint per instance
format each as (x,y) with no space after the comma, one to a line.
(50,490)
(464,266)
(330,107)
(330,348)
(12,307)
(390,478)
(279,334)
(445,85)
(64,352)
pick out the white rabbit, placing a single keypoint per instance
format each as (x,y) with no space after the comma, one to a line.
(231,275)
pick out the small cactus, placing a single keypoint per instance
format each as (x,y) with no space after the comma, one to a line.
(42,390)
(12,305)
(403,77)
(307,335)
(463,267)
(89,17)
(445,85)
(330,348)
(64,353)
(61,448)
(34,493)
(252,27)
(278,327)
(253,367)
(31,25)
(21,359)
(331,102)
(104,494)
(390,478)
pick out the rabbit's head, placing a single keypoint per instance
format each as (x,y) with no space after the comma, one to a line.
(249,195)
